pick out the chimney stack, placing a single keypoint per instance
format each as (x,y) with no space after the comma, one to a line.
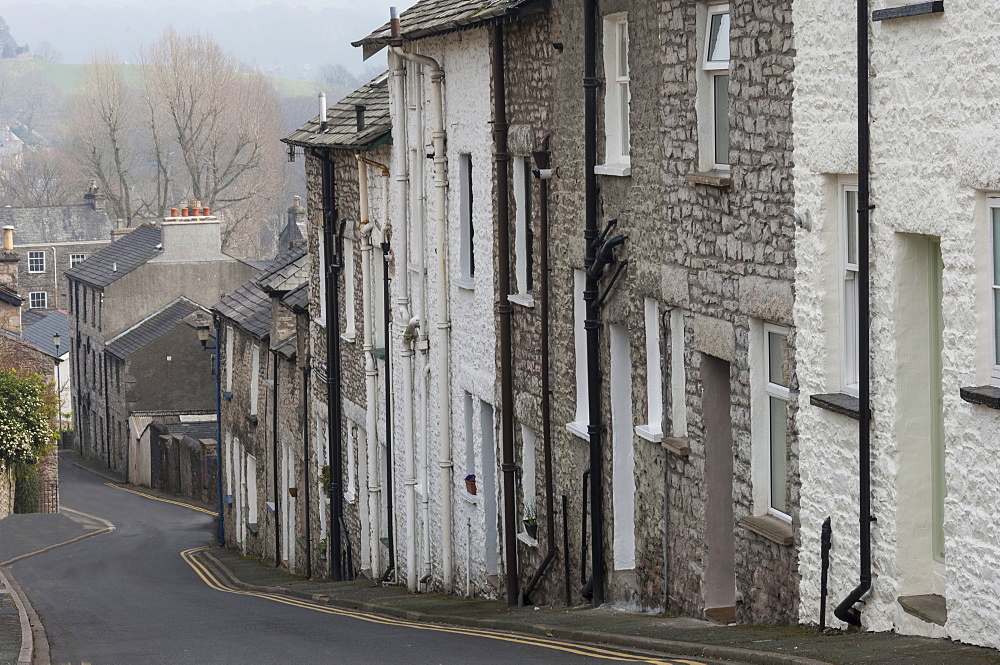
(8,238)
(10,314)
(94,196)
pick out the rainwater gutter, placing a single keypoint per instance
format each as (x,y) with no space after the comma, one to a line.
(849,610)
(592,323)
(501,158)
(443,323)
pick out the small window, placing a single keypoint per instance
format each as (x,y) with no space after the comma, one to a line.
(321,282)
(994,222)
(38,300)
(617,92)
(777,382)
(523,236)
(76,259)
(350,318)
(36,261)
(468,231)
(849,287)
(715,64)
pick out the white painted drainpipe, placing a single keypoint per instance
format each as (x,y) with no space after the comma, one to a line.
(444,323)
(406,352)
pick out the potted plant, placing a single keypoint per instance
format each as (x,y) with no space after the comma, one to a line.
(470,483)
(321,548)
(530,521)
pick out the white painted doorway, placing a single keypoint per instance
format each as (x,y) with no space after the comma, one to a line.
(623,450)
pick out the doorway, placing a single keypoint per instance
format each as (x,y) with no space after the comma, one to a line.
(720,558)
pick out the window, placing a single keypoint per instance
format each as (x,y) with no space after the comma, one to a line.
(470,446)
(849,286)
(582,417)
(528,486)
(76,259)
(523,237)
(229,358)
(38,300)
(617,95)
(468,255)
(255,380)
(678,381)
(321,250)
(251,470)
(653,429)
(714,123)
(994,211)
(36,261)
(776,384)
(351,323)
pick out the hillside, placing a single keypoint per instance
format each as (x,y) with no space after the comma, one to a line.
(69,78)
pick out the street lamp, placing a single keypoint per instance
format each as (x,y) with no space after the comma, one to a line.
(56,339)
(202,328)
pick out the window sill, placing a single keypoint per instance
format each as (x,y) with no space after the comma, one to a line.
(348,338)
(228,499)
(527,540)
(678,445)
(988,396)
(320,322)
(842,403)
(350,497)
(469,498)
(619,170)
(714,178)
(522,299)
(252,527)
(467,283)
(771,528)
(579,429)
(270,506)
(650,433)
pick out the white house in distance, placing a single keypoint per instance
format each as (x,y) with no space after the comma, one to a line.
(935,346)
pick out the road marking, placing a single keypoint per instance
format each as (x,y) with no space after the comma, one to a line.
(213,582)
(156,498)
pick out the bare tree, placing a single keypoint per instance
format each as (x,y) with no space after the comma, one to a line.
(45,177)
(48,52)
(103,132)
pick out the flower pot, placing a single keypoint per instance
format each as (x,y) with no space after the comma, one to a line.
(470,486)
(531,530)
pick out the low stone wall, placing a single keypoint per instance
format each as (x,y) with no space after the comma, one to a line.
(6,491)
(184,466)
(48,474)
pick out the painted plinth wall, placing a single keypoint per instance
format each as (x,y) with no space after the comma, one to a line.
(933,169)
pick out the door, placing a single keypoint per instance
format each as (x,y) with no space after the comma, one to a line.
(720,559)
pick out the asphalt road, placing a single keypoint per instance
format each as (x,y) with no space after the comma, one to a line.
(129,597)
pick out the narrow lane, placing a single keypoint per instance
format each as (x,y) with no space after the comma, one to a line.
(129,596)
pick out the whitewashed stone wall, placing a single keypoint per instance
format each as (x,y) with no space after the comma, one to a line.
(465,58)
(934,127)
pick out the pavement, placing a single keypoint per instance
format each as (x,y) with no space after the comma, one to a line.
(658,635)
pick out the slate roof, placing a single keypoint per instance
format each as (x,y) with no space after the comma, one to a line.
(150,329)
(288,347)
(195,430)
(40,334)
(298,298)
(436,17)
(341,131)
(249,308)
(57,224)
(119,258)
(288,271)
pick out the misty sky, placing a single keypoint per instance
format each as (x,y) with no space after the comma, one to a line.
(283,37)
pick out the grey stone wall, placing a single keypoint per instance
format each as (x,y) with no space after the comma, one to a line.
(53,281)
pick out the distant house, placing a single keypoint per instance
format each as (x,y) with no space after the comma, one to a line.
(120,289)
(42,335)
(50,240)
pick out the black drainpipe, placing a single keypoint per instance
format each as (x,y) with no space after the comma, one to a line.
(274,447)
(390,527)
(306,461)
(542,163)
(332,251)
(850,608)
(590,296)
(107,412)
(501,158)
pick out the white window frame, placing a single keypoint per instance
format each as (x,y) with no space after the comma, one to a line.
(582,416)
(38,300)
(771,389)
(993,212)
(36,262)
(522,228)
(711,70)
(254,380)
(653,429)
(617,97)
(466,214)
(321,253)
(848,291)
(351,322)
(76,259)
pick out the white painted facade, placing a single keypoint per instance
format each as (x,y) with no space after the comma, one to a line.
(465,59)
(934,165)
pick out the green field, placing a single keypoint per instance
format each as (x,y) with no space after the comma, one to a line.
(69,78)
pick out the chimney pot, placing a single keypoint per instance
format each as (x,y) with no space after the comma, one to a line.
(208,211)
(173,212)
(184,212)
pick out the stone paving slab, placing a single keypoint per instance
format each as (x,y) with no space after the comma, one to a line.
(784,644)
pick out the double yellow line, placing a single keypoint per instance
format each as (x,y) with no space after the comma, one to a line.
(206,575)
(162,500)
